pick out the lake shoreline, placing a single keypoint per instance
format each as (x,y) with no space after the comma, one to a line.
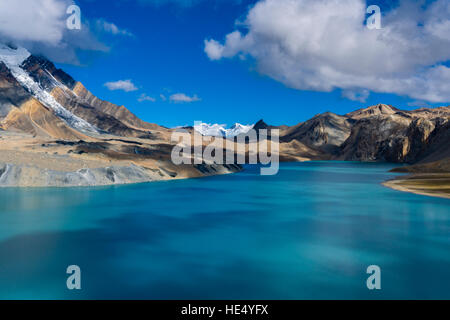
(99,173)
(432,185)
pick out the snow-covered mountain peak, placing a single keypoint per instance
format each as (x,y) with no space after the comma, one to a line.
(13,57)
(220,130)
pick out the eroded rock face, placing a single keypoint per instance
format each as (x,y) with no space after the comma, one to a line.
(37,120)
(119,112)
(438,143)
(377,133)
(74,97)
(105,122)
(46,74)
(12,175)
(376,138)
(325,132)
(29,176)
(393,138)
(9,174)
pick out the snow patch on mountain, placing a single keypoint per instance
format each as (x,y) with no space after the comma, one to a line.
(13,59)
(220,130)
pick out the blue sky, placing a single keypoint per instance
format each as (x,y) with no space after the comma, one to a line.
(165,56)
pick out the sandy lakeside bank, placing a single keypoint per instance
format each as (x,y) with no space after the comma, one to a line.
(434,185)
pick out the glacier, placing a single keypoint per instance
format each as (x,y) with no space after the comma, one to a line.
(13,59)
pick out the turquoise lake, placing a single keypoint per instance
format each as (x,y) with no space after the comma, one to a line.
(309,232)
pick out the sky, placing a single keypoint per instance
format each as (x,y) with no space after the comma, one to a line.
(173,62)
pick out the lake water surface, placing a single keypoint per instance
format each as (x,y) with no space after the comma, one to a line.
(309,232)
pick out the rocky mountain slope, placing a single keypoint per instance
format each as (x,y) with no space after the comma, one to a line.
(403,136)
(54,132)
(377,133)
(325,132)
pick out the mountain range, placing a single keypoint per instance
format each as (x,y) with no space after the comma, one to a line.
(376,133)
(220,130)
(55,132)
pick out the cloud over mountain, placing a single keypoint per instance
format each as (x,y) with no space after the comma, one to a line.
(34,20)
(41,27)
(323,45)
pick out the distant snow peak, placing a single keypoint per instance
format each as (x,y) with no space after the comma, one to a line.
(13,59)
(238,129)
(220,130)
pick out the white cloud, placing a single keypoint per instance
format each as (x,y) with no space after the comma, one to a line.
(40,26)
(143,97)
(33,20)
(323,45)
(183,98)
(163,97)
(112,28)
(233,45)
(360,95)
(124,85)
(214,49)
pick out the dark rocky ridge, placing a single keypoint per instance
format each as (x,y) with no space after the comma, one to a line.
(50,79)
(378,133)
(42,71)
(325,132)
